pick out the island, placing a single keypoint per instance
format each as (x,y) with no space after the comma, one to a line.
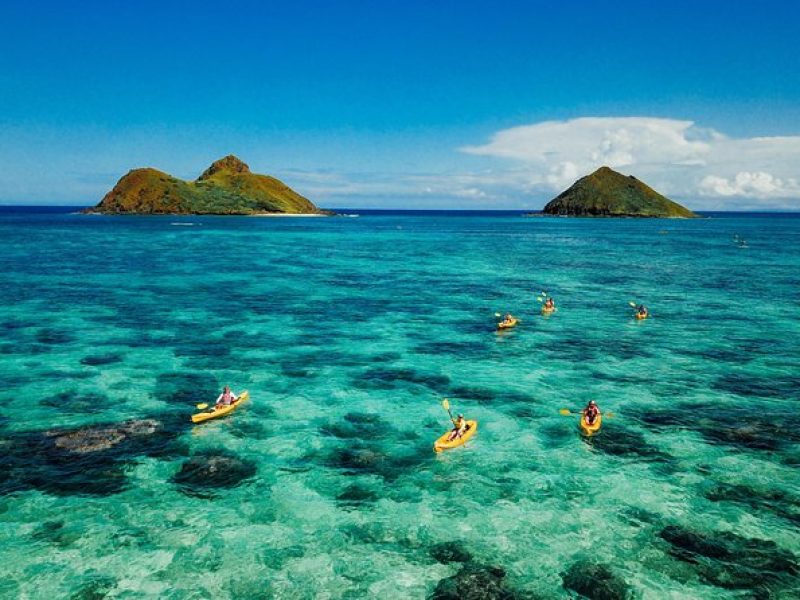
(227,187)
(606,193)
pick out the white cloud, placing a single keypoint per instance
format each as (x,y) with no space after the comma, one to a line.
(677,157)
(750,184)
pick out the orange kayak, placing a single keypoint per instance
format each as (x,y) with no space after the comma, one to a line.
(207,415)
(593,428)
(444,444)
(641,316)
(507,324)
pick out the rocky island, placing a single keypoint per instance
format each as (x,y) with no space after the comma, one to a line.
(227,187)
(606,193)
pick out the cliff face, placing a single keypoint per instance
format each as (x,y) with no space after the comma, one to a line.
(606,193)
(227,187)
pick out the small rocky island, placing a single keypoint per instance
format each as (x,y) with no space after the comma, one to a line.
(227,187)
(606,193)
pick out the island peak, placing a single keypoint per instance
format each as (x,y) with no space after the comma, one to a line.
(607,193)
(229,164)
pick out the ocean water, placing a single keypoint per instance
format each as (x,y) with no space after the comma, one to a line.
(348,333)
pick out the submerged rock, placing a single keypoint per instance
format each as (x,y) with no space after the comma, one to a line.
(97,360)
(776,501)
(595,581)
(474,582)
(99,438)
(625,442)
(366,426)
(731,561)
(87,460)
(355,495)
(74,402)
(212,471)
(736,426)
(450,552)
(388,378)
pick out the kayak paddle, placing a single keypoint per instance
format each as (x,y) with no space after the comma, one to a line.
(576,413)
(202,406)
(446,405)
(633,304)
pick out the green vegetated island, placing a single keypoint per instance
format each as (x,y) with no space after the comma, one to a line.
(227,187)
(606,193)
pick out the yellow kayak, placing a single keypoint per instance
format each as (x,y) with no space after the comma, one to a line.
(641,316)
(444,444)
(507,324)
(207,415)
(593,428)
(547,311)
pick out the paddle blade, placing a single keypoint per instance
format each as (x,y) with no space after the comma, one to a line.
(202,406)
(540,299)
(496,314)
(565,412)
(608,415)
(633,304)
(446,404)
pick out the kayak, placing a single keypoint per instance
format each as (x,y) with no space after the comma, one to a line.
(443,444)
(641,316)
(547,311)
(507,324)
(207,415)
(593,428)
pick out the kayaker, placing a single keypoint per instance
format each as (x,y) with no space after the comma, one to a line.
(642,310)
(460,426)
(591,412)
(226,398)
(549,304)
(508,319)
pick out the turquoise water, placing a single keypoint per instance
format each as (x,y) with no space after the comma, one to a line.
(348,332)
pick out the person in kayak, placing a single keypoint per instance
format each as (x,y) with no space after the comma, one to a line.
(460,427)
(226,398)
(591,412)
(508,319)
(642,310)
(549,304)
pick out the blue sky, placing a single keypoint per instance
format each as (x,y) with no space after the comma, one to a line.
(392,104)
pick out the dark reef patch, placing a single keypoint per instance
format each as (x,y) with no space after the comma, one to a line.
(88,460)
(360,458)
(476,582)
(98,360)
(55,533)
(772,500)
(186,387)
(717,354)
(784,387)
(356,495)
(50,336)
(390,378)
(203,474)
(595,582)
(731,561)
(366,426)
(732,425)
(96,587)
(450,552)
(74,402)
(618,441)
(460,349)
